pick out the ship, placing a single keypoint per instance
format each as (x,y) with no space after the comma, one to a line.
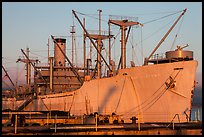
(160,90)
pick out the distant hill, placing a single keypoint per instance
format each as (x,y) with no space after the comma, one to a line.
(197,98)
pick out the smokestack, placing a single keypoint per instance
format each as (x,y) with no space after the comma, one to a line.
(58,55)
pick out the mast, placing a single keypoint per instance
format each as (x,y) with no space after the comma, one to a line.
(88,35)
(51,74)
(123,26)
(48,44)
(28,71)
(162,40)
(72,32)
(29,63)
(123,47)
(28,68)
(99,46)
(109,45)
(84,47)
(91,49)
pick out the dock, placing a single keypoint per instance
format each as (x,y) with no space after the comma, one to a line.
(107,129)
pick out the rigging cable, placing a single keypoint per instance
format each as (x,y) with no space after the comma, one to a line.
(73,20)
(72,103)
(155,32)
(8,85)
(177,33)
(161,17)
(132,46)
(120,95)
(162,93)
(37,54)
(154,98)
(142,46)
(89,15)
(115,38)
(133,49)
(17,72)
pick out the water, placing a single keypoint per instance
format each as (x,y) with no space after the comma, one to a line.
(196,113)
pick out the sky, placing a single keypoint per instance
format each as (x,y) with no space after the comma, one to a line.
(30,24)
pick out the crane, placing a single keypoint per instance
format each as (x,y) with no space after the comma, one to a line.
(162,40)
